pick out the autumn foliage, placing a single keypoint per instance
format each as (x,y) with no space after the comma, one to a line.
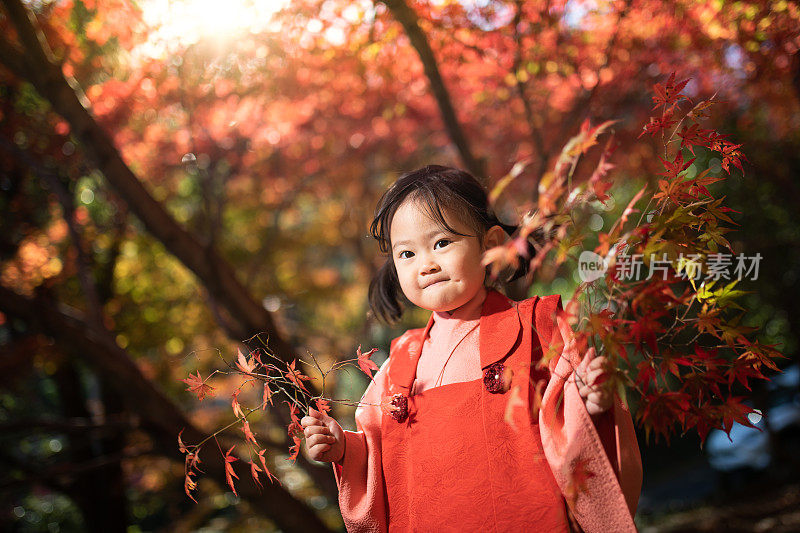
(676,339)
(262,369)
(165,189)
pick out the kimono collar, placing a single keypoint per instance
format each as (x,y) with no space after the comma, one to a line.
(499,332)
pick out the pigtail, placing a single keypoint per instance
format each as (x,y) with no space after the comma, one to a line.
(384,294)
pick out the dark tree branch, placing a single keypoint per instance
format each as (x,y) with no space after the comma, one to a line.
(581,105)
(407,17)
(67,100)
(14,59)
(535,132)
(160,417)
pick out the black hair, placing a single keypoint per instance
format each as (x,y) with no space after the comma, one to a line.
(434,186)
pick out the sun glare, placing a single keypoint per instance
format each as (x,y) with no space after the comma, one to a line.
(186,22)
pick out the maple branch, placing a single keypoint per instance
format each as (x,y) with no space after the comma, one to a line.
(160,416)
(408,18)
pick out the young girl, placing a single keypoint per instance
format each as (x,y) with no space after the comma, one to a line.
(453,432)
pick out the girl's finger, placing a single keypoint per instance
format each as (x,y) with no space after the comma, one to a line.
(591,353)
(316,414)
(587,358)
(322,448)
(585,391)
(597,362)
(316,430)
(310,421)
(315,440)
(596,377)
(601,398)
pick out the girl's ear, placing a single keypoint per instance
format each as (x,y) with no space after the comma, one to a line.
(494,237)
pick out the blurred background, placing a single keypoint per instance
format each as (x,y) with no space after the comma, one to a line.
(177,176)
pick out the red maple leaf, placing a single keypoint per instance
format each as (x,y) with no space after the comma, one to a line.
(731,156)
(237,409)
(264,466)
(364,361)
(248,435)
(670,92)
(293,410)
(254,470)
(243,364)
(676,166)
(229,472)
(323,405)
(295,376)
(294,449)
(189,485)
(267,397)
(646,373)
(657,124)
(645,328)
(181,446)
(735,411)
(199,386)
(694,135)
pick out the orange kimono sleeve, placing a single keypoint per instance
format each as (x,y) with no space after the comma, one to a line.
(606,447)
(359,477)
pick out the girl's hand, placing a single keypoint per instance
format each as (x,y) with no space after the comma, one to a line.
(589,377)
(324,437)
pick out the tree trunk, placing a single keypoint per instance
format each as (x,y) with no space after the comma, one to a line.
(159,416)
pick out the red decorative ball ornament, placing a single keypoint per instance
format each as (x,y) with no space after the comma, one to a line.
(493,378)
(398,407)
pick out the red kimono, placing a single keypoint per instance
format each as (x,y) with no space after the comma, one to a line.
(454,462)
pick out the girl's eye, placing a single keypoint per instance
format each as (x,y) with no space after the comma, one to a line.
(444,241)
(405,256)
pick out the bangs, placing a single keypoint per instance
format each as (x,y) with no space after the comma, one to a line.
(432,204)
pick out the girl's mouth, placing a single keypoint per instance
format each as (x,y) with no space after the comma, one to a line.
(434,283)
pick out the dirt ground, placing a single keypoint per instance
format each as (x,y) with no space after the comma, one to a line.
(762,507)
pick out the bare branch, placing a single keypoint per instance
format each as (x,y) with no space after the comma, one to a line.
(407,17)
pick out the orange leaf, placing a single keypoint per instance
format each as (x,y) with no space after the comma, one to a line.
(237,409)
(189,485)
(323,405)
(514,405)
(364,361)
(267,396)
(198,386)
(243,364)
(181,446)
(295,376)
(247,433)
(254,470)
(229,472)
(264,466)
(576,482)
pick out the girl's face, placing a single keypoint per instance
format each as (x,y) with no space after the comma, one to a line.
(438,270)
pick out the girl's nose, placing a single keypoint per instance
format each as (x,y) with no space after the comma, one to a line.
(429,267)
